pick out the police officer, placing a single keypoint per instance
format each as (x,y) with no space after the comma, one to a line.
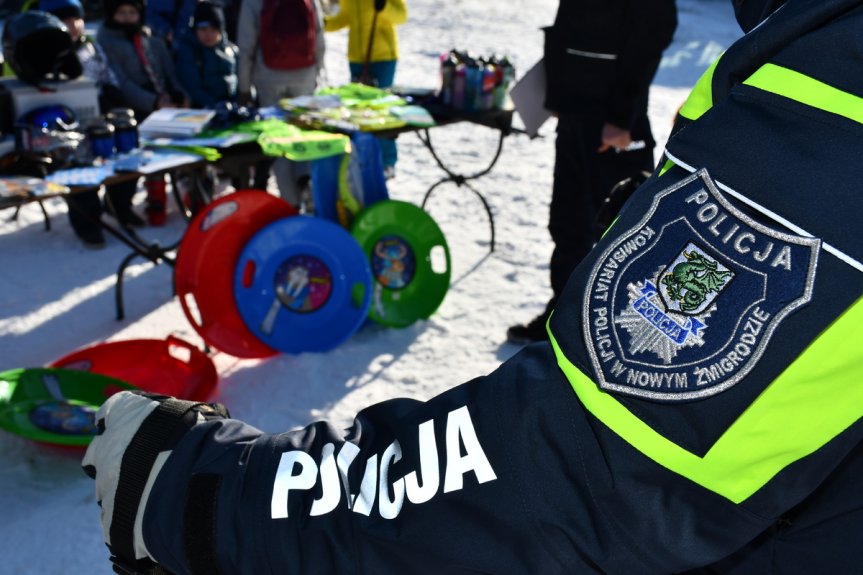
(698,406)
(600,59)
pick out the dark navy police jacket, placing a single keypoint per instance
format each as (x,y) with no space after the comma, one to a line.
(698,408)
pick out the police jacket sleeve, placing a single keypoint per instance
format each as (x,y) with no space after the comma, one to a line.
(505,474)
(701,389)
(445,486)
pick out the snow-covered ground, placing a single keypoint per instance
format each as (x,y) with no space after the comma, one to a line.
(56,297)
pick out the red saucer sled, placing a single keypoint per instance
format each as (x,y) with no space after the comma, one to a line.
(169,366)
(204,268)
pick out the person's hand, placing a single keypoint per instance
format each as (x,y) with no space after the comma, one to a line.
(118,420)
(136,433)
(164,101)
(379,5)
(614,137)
(244,98)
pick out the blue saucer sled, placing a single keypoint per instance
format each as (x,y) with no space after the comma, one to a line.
(302,284)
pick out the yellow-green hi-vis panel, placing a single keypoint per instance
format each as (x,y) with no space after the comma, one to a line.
(815,399)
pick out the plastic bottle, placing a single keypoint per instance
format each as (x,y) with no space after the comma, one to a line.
(489,76)
(101,136)
(472,84)
(459,80)
(125,129)
(447,70)
(502,89)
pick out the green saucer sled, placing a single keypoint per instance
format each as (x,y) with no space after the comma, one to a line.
(409,258)
(54,405)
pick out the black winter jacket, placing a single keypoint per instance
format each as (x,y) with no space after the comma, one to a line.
(601,56)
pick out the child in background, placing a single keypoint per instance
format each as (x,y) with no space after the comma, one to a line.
(372,49)
(85,207)
(207,67)
(146,75)
(275,79)
(142,62)
(206,60)
(93,59)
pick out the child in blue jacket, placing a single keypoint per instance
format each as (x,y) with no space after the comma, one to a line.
(206,61)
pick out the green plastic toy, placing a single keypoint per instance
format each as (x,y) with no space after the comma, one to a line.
(409,258)
(54,405)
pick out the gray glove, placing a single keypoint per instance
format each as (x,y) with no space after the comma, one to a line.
(137,432)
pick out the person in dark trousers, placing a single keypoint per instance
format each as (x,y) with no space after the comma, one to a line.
(600,58)
(698,407)
(206,61)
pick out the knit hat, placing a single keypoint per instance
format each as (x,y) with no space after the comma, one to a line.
(208,14)
(112,5)
(62,9)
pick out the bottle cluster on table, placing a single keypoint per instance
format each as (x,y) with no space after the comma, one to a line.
(474,83)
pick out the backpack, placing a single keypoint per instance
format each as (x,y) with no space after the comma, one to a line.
(288,34)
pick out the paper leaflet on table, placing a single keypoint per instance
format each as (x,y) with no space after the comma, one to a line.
(152,161)
(13,188)
(222,141)
(175,122)
(85,176)
(142,162)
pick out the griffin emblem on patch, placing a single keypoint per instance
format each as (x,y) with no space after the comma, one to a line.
(682,305)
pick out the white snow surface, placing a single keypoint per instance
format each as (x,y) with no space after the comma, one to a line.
(56,296)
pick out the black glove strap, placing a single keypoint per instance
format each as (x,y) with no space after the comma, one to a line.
(160,431)
(142,567)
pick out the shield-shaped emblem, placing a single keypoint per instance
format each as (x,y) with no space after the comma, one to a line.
(682,305)
(691,282)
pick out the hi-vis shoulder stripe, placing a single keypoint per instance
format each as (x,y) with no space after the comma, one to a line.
(819,392)
(832,250)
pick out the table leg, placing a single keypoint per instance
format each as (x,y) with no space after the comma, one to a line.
(44,215)
(462,180)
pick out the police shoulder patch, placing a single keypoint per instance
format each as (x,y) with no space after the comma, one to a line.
(682,305)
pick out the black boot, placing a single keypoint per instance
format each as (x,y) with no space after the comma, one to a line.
(84,214)
(118,203)
(92,239)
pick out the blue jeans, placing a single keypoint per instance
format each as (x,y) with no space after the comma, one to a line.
(383,72)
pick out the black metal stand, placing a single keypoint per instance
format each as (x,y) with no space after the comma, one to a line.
(44,214)
(152,251)
(198,196)
(462,180)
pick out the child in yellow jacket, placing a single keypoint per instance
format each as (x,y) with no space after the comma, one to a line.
(372,48)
